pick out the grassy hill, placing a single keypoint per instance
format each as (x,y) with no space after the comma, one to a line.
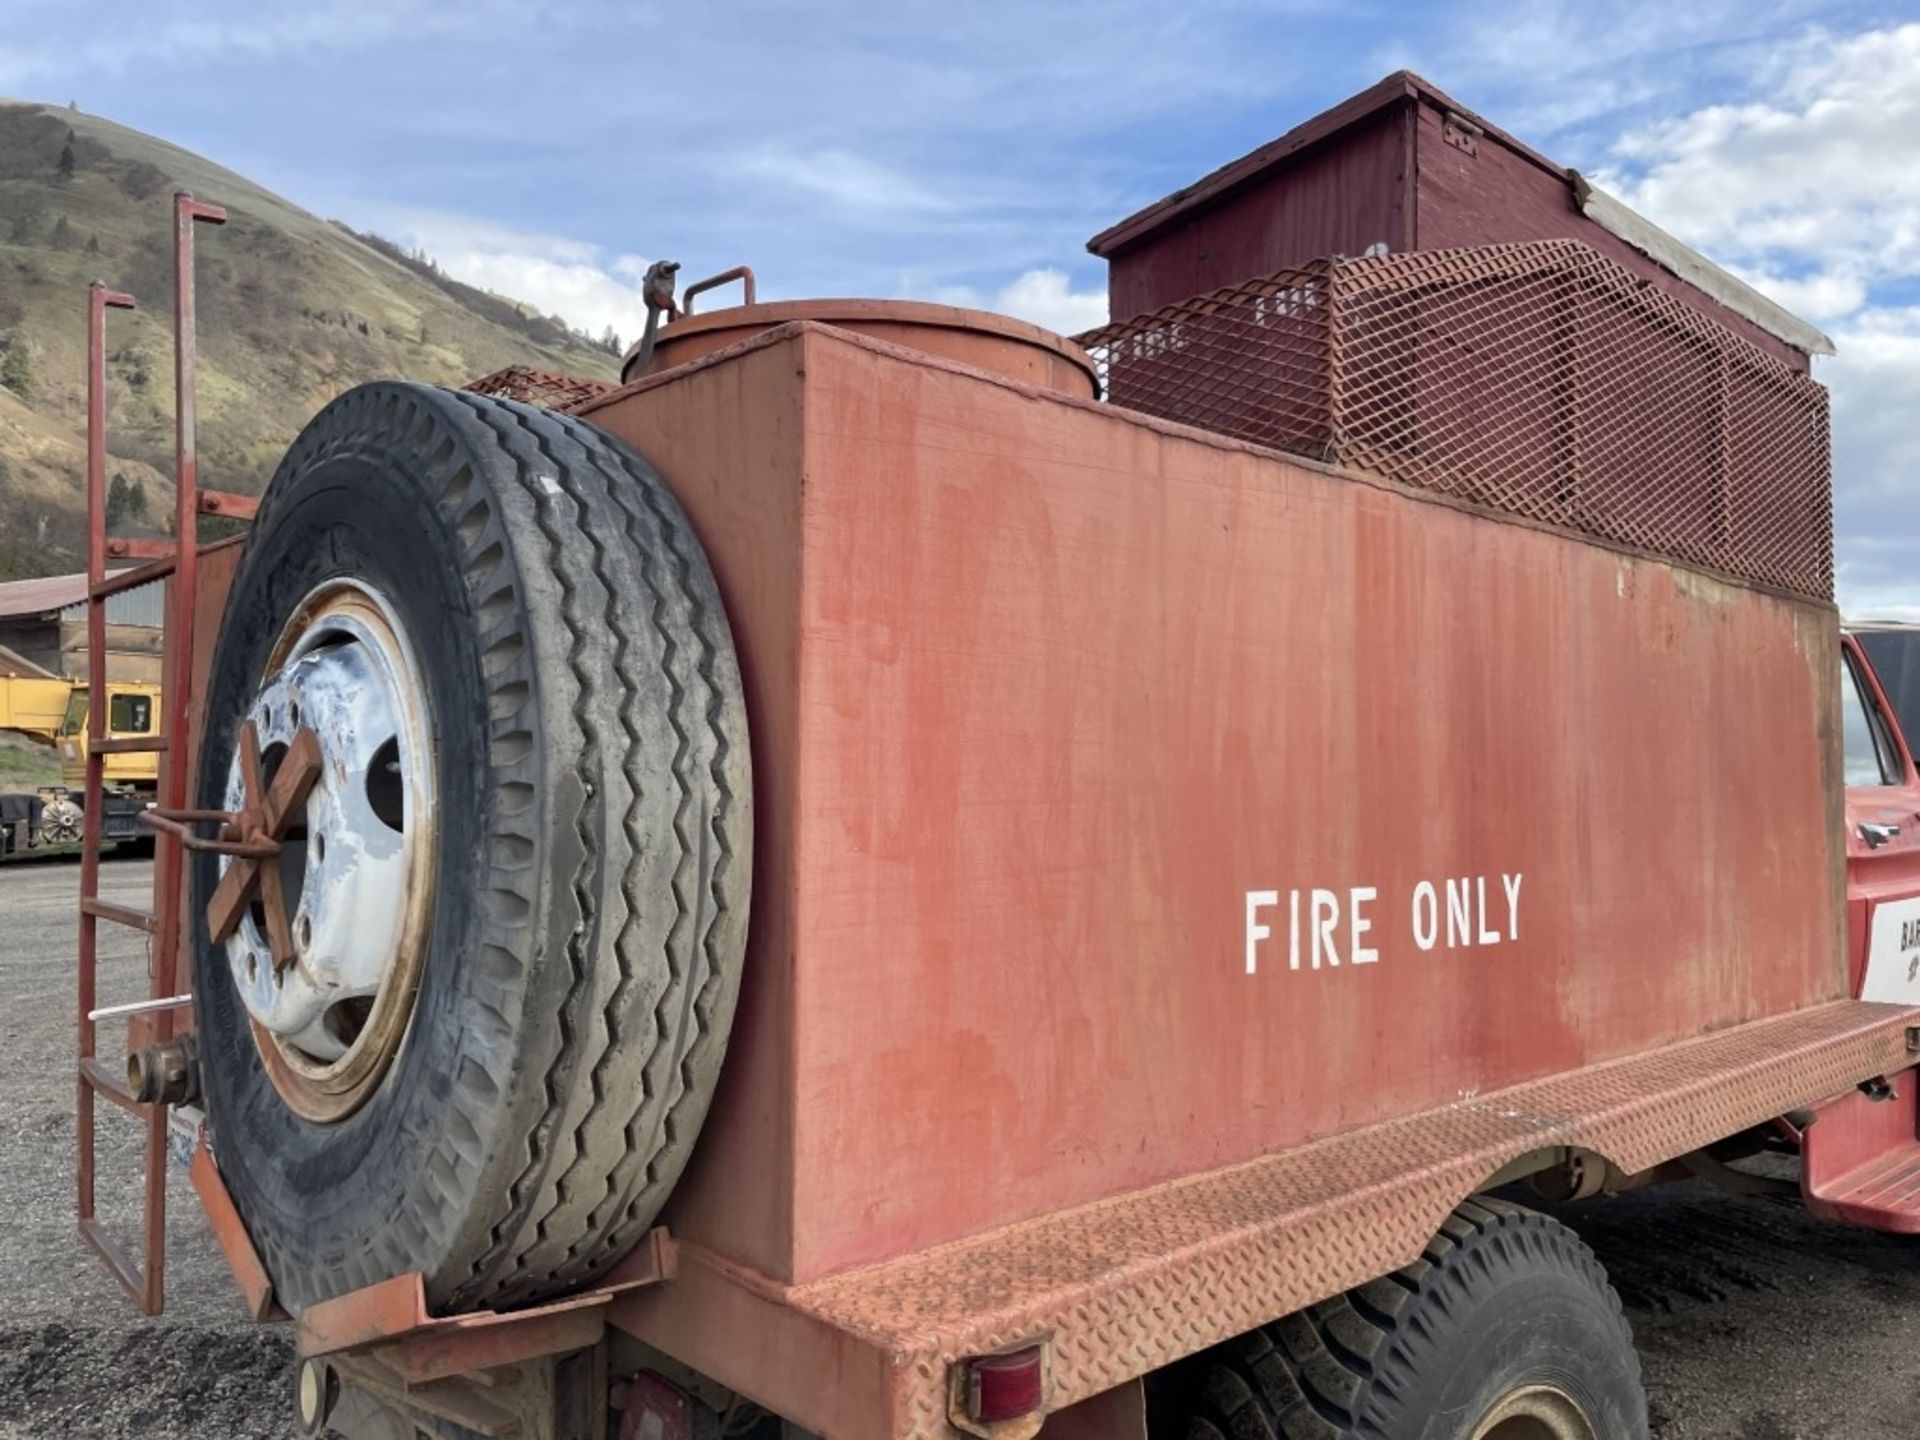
(293,310)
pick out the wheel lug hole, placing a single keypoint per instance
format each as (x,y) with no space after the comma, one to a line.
(303,932)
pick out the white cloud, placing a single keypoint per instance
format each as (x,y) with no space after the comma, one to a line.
(1559,66)
(1819,296)
(186,36)
(1822,178)
(1811,191)
(590,289)
(846,179)
(580,283)
(1046,297)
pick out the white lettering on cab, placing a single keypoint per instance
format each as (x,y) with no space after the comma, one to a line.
(1330,928)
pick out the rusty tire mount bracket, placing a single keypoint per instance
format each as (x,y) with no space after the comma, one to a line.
(259,827)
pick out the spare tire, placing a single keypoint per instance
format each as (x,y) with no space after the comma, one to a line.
(517,895)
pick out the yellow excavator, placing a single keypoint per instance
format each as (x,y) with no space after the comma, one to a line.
(53,711)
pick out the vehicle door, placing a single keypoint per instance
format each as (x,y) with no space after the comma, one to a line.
(1883,838)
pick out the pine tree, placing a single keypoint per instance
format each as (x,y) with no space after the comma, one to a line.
(62,234)
(66,165)
(126,500)
(15,371)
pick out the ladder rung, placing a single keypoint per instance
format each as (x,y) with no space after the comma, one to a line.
(108,1249)
(225,502)
(128,547)
(106,1082)
(118,914)
(132,579)
(129,745)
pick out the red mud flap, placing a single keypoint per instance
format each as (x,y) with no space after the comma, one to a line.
(1117,1289)
(1860,1159)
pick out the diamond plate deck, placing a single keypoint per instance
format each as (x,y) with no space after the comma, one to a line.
(1129,1285)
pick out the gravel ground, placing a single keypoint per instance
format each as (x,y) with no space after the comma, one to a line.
(75,1360)
(1754,1322)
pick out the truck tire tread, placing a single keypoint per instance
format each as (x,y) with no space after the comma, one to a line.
(1328,1372)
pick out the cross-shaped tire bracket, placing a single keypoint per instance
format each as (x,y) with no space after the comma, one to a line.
(266,813)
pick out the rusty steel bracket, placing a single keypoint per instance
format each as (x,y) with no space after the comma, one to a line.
(264,819)
(656,289)
(230,1231)
(742,273)
(233,507)
(390,1322)
(180,823)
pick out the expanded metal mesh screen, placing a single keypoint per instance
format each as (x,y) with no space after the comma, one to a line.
(548,388)
(1541,379)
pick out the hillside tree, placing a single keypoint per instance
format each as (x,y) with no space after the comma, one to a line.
(62,234)
(126,500)
(143,180)
(16,371)
(65,166)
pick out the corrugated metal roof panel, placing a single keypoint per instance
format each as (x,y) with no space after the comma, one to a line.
(66,595)
(41,596)
(143,605)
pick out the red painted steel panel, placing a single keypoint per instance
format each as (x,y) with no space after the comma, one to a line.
(1335,200)
(997,343)
(1376,168)
(1496,195)
(1125,1286)
(1042,690)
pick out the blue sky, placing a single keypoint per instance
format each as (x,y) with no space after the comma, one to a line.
(966,151)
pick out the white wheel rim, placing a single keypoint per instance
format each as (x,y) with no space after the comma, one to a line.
(1538,1412)
(357,874)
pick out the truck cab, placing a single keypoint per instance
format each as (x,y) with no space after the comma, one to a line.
(133,710)
(1879,709)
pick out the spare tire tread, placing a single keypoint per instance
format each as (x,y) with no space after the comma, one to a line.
(581,530)
(563,1240)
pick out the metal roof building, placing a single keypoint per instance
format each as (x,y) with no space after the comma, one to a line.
(44,621)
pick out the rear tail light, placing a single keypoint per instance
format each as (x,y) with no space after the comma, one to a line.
(1003,1395)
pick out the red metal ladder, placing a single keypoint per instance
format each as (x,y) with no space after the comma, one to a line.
(144,1280)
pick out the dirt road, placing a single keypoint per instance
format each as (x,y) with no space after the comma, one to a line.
(1754,1322)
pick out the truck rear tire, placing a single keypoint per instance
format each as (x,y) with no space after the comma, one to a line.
(548,883)
(1505,1329)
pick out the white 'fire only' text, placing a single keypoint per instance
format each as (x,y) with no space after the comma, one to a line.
(1325,929)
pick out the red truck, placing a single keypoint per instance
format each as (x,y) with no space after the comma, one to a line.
(895,876)
(1879,708)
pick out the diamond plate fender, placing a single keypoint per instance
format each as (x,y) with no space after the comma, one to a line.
(1127,1286)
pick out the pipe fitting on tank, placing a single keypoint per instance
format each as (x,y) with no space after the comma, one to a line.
(165,1073)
